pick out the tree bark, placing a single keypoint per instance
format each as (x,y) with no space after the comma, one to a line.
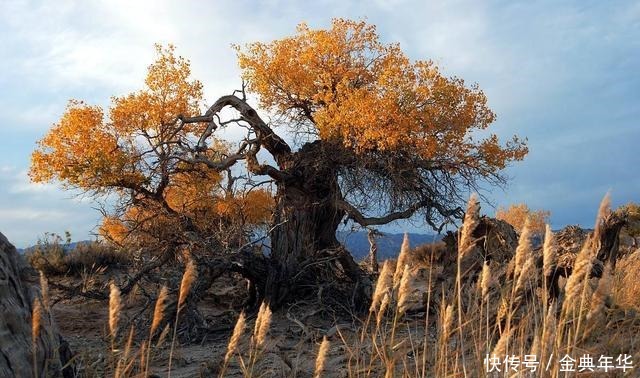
(304,247)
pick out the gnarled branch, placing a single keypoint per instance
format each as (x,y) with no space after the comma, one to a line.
(273,143)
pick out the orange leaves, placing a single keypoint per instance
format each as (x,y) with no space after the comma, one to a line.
(114,230)
(92,152)
(130,151)
(80,151)
(257,206)
(169,92)
(191,192)
(251,207)
(368,95)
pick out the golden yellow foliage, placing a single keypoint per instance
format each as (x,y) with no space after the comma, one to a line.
(369,96)
(131,151)
(87,151)
(516,215)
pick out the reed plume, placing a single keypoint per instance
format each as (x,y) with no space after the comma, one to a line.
(599,300)
(550,252)
(36,320)
(603,212)
(158,315)
(44,290)
(523,251)
(263,322)
(188,278)
(158,311)
(322,357)
(163,335)
(404,289)
(501,347)
(485,280)
(581,268)
(527,274)
(122,366)
(548,332)
(470,222)
(383,285)
(384,303)
(601,295)
(447,322)
(115,305)
(36,325)
(403,259)
(234,341)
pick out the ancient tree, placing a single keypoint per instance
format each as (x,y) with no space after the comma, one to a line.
(349,130)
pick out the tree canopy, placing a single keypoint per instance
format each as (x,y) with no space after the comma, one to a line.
(133,153)
(404,134)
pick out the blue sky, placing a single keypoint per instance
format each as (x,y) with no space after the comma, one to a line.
(563,74)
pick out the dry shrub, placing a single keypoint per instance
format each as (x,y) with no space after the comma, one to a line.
(488,311)
(54,257)
(94,255)
(625,286)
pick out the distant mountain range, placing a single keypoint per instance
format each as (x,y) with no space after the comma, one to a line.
(356,242)
(388,244)
(69,247)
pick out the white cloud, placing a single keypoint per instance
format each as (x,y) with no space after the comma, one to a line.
(29,214)
(554,72)
(6,169)
(20,183)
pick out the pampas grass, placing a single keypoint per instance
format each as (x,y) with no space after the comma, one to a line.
(403,259)
(384,304)
(470,222)
(485,281)
(581,267)
(523,251)
(188,278)
(44,290)
(263,322)
(383,285)
(322,357)
(502,346)
(234,341)
(36,325)
(158,315)
(404,289)
(115,306)
(549,252)
(158,311)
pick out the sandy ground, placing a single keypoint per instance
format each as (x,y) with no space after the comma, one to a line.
(293,341)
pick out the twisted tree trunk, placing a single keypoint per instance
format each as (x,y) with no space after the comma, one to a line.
(22,355)
(304,247)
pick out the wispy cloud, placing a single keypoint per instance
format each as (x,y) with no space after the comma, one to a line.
(562,74)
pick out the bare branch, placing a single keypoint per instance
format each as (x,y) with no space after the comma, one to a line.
(276,146)
(359,218)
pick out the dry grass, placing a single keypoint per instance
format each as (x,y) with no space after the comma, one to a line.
(54,257)
(493,312)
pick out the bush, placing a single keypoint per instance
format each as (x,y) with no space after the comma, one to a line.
(52,256)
